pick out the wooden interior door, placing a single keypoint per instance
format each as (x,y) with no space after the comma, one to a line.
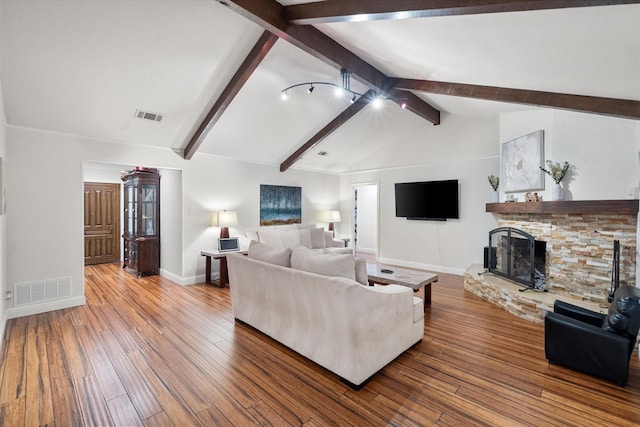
(101,223)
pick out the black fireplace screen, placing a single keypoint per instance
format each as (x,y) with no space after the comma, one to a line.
(517,256)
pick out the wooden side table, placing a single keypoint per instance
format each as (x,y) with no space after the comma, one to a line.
(223,280)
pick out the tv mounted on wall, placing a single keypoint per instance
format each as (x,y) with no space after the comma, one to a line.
(428,200)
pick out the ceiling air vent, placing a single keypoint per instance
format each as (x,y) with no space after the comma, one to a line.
(155,117)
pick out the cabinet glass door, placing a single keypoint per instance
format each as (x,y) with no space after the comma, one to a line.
(149,208)
(131,214)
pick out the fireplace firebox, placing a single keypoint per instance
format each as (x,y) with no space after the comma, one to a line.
(517,256)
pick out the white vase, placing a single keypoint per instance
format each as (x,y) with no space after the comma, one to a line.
(495,197)
(557,192)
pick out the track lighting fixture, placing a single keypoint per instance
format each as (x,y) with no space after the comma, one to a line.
(342,89)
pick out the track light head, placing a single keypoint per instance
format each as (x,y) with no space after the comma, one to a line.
(353,99)
(403,104)
(284,94)
(311,88)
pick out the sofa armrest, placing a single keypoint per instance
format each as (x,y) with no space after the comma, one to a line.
(332,242)
(339,243)
(585,347)
(578,313)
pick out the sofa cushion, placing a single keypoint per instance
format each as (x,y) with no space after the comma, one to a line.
(320,263)
(285,238)
(317,238)
(268,254)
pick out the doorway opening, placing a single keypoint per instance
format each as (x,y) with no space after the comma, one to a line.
(365,221)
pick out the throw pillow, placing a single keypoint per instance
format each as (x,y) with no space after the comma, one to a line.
(326,264)
(268,254)
(293,238)
(317,238)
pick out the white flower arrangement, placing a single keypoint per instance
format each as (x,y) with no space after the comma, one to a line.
(556,170)
(494,181)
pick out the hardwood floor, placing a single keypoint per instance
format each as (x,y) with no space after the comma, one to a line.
(149,352)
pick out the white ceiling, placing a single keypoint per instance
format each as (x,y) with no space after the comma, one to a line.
(85,66)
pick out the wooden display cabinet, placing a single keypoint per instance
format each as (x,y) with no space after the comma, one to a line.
(142,222)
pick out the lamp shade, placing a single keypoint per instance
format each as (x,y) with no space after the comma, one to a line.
(334,216)
(227,219)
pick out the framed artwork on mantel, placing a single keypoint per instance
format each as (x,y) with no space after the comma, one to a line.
(521,161)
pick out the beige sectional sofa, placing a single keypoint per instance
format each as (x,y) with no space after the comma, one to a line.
(349,328)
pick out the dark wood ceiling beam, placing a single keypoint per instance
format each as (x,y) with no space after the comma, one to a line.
(369,10)
(246,69)
(341,119)
(624,108)
(269,14)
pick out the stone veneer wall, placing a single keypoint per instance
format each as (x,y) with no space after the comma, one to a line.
(579,258)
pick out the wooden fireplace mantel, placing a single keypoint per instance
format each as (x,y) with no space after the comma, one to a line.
(591,207)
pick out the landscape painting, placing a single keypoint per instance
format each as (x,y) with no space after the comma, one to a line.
(280,205)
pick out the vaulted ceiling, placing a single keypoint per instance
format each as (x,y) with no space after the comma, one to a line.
(215,70)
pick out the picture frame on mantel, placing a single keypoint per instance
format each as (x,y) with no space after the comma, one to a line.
(522,159)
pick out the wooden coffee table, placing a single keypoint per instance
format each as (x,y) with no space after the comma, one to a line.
(413,279)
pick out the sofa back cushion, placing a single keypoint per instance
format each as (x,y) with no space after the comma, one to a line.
(279,256)
(285,238)
(305,259)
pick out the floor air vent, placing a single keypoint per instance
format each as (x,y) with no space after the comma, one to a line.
(40,291)
(154,117)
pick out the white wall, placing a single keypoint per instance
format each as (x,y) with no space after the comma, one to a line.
(449,246)
(603,151)
(46,200)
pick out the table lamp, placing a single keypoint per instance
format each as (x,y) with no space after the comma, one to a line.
(224,220)
(334,216)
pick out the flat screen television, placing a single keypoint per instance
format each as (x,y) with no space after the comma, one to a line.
(428,200)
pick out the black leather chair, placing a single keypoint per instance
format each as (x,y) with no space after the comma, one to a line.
(596,343)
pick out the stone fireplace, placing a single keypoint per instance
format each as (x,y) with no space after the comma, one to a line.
(579,253)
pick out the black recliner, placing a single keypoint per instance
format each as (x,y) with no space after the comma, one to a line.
(595,343)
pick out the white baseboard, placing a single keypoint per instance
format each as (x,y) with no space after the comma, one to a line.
(28,310)
(185,281)
(429,267)
(371,251)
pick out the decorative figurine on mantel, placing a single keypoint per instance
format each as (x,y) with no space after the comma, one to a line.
(532,197)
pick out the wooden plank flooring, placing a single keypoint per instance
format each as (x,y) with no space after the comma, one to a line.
(151,353)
